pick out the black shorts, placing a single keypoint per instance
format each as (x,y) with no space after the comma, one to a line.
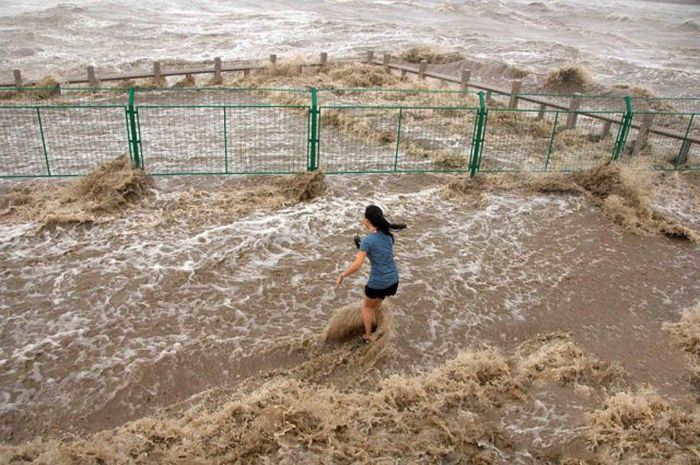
(381,293)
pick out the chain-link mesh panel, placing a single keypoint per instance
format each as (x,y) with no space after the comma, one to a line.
(220,97)
(78,139)
(398,97)
(69,131)
(665,133)
(178,140)
(435,139)
(266,139)
(536,138)
(517,140)
(358,139)
(222,140)
(586,144)
(21,148)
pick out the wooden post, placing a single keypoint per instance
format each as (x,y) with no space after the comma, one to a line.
(387,59)
(403,73)
(18,78)
(92,80)
(370,56)
(572,116)
(273,61)
(606,129)
(324,59)
(156,72)
(422,66)
(488,97)
(514,90)
(683,154)
(541,112)
(643,133)
(217,69)
(465,77)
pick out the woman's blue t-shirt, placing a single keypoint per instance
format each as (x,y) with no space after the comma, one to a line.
(380,250)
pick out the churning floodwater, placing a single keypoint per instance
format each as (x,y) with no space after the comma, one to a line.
(164,302)
(637,42)
(191,289)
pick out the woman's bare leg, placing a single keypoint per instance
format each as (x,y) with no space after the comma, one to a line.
(368,306)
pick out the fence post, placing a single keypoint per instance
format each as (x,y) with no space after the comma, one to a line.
(92,80)
(422,66)
(387,58)
(465,77)
(398,139)
(43,141)
(156,72)
(225,143)
(643,133)
(514,90)
(312,162)
(624,130)
(478,138)
(18,78)
(370,56)
(571,118)
(605,132)
(133,132)
(551,141)
(541,111)
(217,70)
(273,61)
(682,157)
(324,59)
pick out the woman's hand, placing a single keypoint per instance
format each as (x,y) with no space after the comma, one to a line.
(356,264)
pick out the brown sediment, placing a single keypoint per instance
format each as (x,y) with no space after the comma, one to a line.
(430,55)
(153,83)
(639,425)
(266,194)
(126,84)
(46,88)
(646,99)
(686,333)
(362,76)
(347,323)
(567,79)
(359,127)
(440,157)
(103,194)
(187,81)
(555,357)
(621,192)
(96,197)
(338,75)
(519,124)
(449,415)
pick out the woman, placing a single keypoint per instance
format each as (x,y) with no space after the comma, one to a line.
(378,245)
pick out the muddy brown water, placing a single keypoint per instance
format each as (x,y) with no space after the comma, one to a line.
(107,323)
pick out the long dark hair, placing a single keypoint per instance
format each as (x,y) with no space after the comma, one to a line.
(375,215)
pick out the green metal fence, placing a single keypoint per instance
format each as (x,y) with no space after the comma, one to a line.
(272,131)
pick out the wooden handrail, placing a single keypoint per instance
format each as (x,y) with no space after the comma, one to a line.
(455,79)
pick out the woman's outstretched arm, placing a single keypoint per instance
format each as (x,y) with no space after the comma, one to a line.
(356,265)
